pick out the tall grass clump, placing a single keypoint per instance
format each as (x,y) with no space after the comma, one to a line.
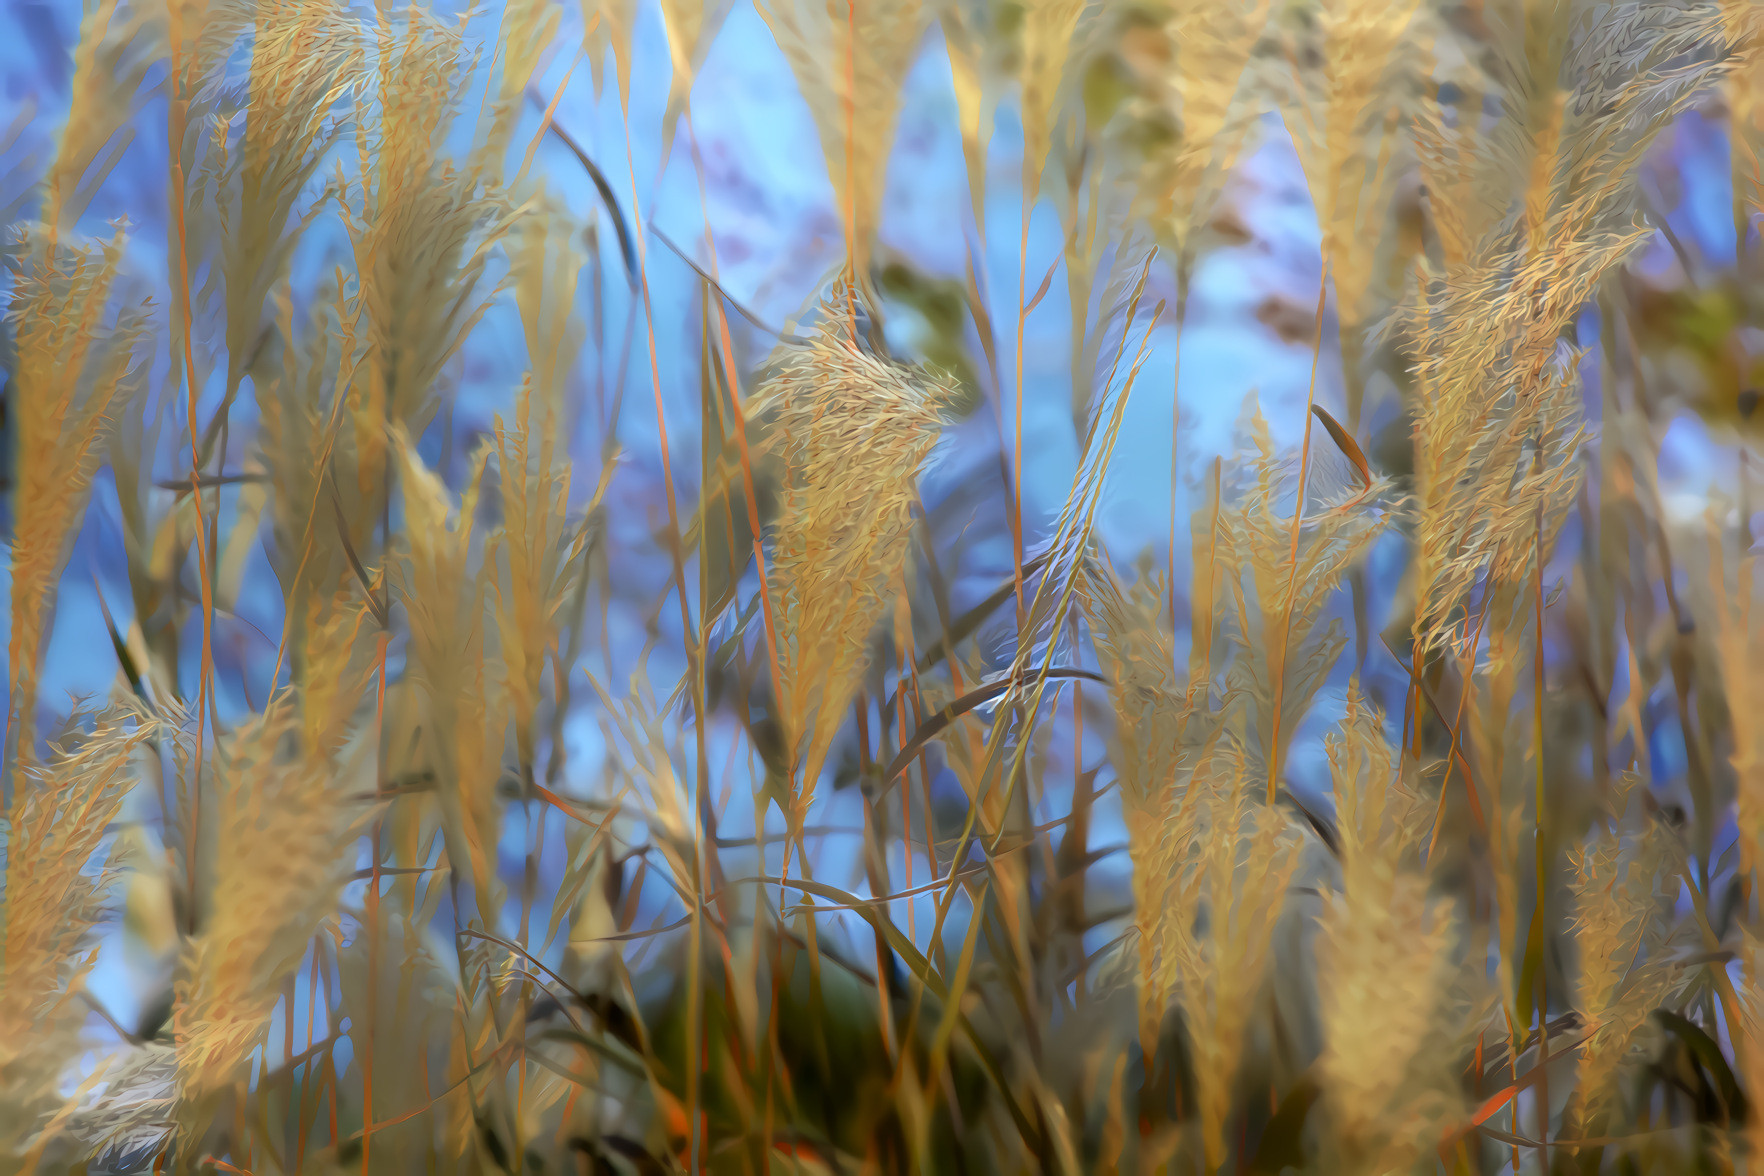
(525,657)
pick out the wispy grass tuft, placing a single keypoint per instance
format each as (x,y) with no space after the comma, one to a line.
(1079,868)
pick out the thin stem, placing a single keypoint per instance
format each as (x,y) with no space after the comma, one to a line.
(1298,512)
(694,994)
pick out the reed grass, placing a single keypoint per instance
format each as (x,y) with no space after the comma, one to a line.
(472,815)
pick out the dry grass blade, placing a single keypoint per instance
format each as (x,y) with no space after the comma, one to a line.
(1344,441)
(972,700)
(733,302)
(969,622)
(362,578)
(609,199)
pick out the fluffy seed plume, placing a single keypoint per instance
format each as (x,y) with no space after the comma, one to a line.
(1285,644)
(1384,959)
(305,55)
(850,60)
(1234,860)
(1209,43)
(444,596)
(1048,31)
(279,831)
(1348,127)
(1739,623)
(118,44)
(1539,208)
(1153,714)
(72,368)
(538,555)
(60,813)
(1617,885)
(422,227)
(853,430)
